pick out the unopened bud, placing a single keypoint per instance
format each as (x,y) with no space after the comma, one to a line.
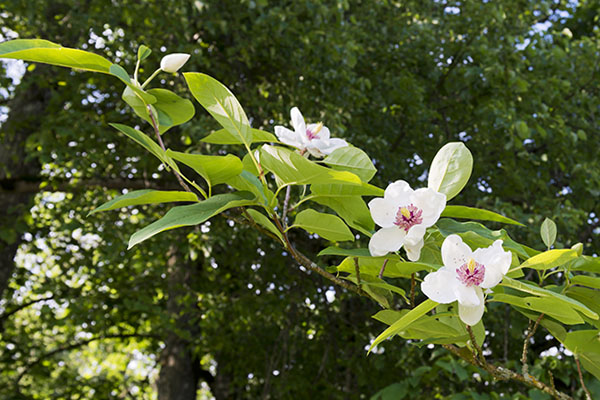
(578,247)
(172,62)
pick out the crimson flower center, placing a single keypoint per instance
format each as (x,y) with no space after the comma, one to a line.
(407,217)
(471,273)
(313,134)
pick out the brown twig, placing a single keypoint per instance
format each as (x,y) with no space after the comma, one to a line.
(588,396)
(285,206)
(357,268)
(308,264)
(383,268)
(162,146)
(480,356)
(530,332)
(502,373)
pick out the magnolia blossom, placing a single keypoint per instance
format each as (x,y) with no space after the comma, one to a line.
(313,138)
(464,276)
(404,214)
(172,62)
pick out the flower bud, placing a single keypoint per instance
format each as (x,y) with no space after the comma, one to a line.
(172,62)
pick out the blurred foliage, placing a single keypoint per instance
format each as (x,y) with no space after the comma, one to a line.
(514,79)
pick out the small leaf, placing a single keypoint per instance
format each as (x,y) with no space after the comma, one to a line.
(405,321)
(222,136)
(548,232)
(522,129)
(143,52)
(352,159)
(327,226)
(450,169)
(265,222)
(352,209)
(119,72)
(145,196)
(221,104)
(476,213)
(171,109)
(192,215)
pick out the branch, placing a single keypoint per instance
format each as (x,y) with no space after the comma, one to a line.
(20,307)
(530,333)
(588,396)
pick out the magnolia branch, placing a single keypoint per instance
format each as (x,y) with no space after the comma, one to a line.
(530,332)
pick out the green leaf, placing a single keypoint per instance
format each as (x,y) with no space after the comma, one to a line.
(583,341)
(327,226)
(586,263)
(46,52)
(222,136)
(538,291)
(293,169)
(221,104)
(337,251)
(405,321)
(265,222)
(552,306)
(450,169)
(145,196)
(352,159)
(214,169)
(548,232)
(143,140)
(584,280)
(550,259)
(476,213)
(522,129)
(192,215)
(341,190)
(171,110)
(353,210)
(143,52)
(395,268)
(248,182)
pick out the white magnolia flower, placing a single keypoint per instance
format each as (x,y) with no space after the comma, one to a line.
(404,214)
(313,138)
(464,276)
(172,62)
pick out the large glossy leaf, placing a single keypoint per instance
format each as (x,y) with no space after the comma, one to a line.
(145,196)
(476,213)
(248,182)
(557,309)
(192,215)
(352,159)
(586,263)
(584,280)
(450,169)
(550,259)
(221,104)
(341,190)
(43,51)
(143,140)
(394,268)
(337,251)
(353,210)
(405,321)
(214,169)
(477,235)
(538,291)
(327,226)
(293,169)
(222,136)
(170,109)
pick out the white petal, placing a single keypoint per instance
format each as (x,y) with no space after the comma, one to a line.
(471,315)
(399,192)
(496,261)
(386,240)
(383,212)
(454,252)
(440,285)
(415,234)
(431,202)
(323,133)
(331,145)
(298,120)
(287,136)
(313,148)
(413,250)
(468,295)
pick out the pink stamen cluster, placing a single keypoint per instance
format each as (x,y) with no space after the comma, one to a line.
(468,277)
(407,222)
(311,135)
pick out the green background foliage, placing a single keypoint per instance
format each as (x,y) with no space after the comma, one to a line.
(82,317)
